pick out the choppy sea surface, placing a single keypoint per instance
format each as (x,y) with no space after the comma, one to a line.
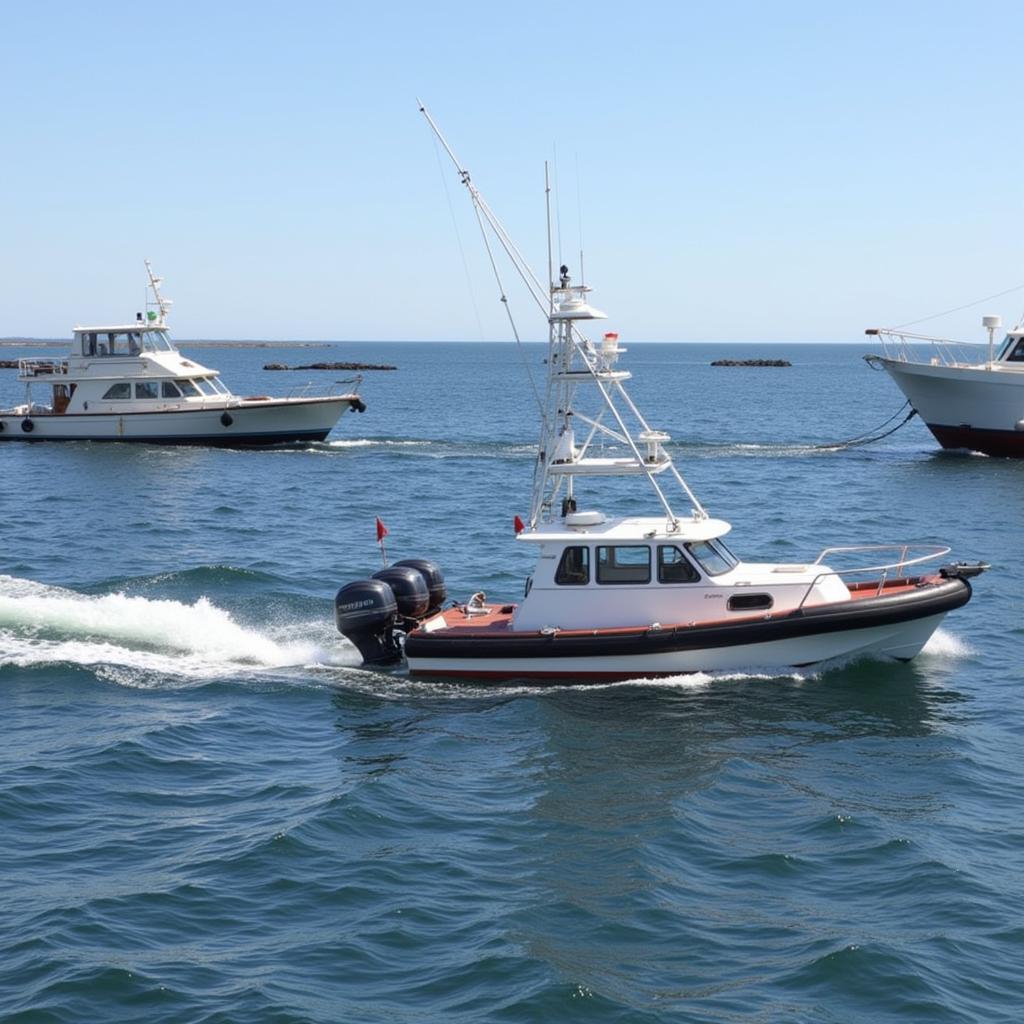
(209,813)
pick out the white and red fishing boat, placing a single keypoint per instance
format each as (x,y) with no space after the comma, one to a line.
(637,596)
(129,382)
(969,396)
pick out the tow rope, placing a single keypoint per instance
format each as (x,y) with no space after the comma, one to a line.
(871,436)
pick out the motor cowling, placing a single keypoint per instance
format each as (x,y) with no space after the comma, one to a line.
(366,612)
(409,588)
(434,579)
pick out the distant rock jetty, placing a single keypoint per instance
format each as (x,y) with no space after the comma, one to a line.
(330,366)
(751,362)
(8,364)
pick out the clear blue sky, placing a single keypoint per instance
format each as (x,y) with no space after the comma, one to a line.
(747,170)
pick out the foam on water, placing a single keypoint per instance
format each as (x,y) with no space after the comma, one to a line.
(364,442)
(42,625)
(946,646)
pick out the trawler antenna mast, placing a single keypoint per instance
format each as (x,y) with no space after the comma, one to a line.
(163,305)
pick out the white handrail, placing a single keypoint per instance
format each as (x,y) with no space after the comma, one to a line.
(897,345)
(932,551)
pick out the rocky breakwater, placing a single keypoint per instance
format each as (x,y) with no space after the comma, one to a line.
(330,366)
(751,362)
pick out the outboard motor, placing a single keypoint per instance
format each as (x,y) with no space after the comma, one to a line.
(366,612)
(409,588)
(434,579)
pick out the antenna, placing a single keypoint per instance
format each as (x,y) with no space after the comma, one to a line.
(163,305)
(991,323)
(547,207)
(579,216)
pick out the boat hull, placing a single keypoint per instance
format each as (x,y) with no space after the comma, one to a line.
(894,625)
(966,406)
(275,421)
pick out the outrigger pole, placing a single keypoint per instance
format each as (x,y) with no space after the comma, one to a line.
(566,340)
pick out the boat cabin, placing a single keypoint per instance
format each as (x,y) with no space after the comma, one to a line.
(640,571)
(104,342)
(120,369)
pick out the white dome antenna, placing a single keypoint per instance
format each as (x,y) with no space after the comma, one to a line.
(992,322)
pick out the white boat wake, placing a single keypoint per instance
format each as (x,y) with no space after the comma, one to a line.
(44,625)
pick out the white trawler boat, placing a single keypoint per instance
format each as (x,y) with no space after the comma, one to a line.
(129,383)
(615,598)
(969,397)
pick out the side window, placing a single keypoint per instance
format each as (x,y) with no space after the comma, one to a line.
(624,563)
(749,602)
(119,391)
(169,389)
(674,566)
(148,389)
(188,389)
(1017,356)
(574,568)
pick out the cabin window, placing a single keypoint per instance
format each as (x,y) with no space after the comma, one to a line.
(119,391)
(169,389)
(624,563)
(188,389)
(89,344)
(148,389)
(134,343)
(204,387)
(1017,355)
(574,568)
(750,602)
(674,566)
(713,557)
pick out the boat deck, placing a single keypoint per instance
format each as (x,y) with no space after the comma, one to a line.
(496,619)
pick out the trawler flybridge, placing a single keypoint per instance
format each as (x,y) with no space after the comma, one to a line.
(616,598)
(128,382)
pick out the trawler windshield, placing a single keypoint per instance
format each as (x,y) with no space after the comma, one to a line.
(99,344)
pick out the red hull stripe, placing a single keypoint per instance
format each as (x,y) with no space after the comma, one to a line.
(1006,443)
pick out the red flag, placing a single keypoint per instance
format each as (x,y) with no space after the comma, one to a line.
(382,530)
(518,524)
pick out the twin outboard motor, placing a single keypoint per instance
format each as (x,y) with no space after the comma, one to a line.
(376,614)
(409,588)
(366,612)
(432,577)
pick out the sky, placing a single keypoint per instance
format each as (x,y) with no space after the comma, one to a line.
(736,171)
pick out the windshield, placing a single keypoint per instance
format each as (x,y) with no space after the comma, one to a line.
(713,556)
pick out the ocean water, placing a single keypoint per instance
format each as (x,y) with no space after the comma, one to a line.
(210,813)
